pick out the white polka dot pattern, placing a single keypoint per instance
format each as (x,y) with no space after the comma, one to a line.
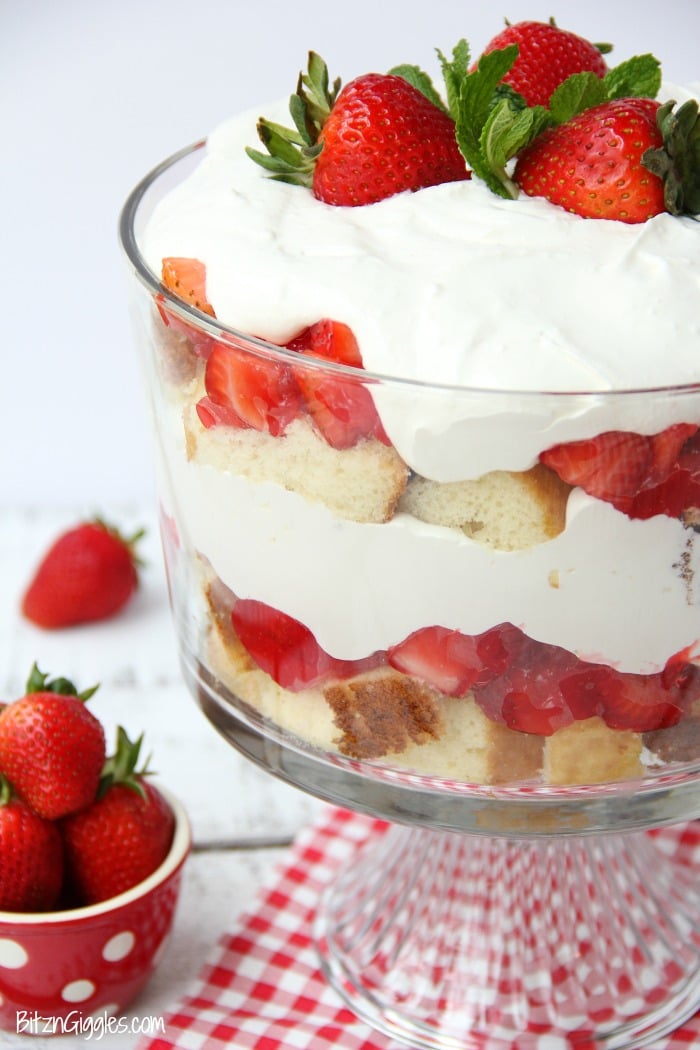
(119,946)
(77,991)
(12,955)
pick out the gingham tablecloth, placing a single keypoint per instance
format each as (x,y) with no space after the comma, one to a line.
(263,990)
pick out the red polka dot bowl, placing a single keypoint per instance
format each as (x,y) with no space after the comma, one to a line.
(63,969)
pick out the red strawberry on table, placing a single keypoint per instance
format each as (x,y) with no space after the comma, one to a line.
(31,857)
(52,748)
(123,835)
(547,55)
(89,573)
(377,137)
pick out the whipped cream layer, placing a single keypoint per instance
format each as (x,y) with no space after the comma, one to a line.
(453,285)
(609,589)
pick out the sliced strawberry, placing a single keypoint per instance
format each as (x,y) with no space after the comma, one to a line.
(678,492)
(447,660)
(341,408)
(287,650)
(527,695)
(625,468)
(260,393)
(186,278)
(213,415)
(640,703)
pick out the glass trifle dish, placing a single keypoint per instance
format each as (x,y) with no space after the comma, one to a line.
(426,392)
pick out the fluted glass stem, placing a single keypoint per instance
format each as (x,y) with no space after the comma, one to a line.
(477,943)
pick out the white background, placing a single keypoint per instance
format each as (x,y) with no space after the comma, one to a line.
(93,93)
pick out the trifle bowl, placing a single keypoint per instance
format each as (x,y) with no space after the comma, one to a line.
(463,602)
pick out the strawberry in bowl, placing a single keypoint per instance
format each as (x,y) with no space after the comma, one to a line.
(92,865)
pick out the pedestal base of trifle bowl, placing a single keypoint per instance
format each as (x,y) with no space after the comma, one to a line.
(487,919)
(455,941)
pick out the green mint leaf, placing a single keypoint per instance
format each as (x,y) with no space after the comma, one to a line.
(578,92)
(477,105)
(420,81)
(454,72)
(505,133)
(639,77)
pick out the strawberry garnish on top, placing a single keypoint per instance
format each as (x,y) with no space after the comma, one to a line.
(593,165)
(378,136)
(547,56)
(602,147)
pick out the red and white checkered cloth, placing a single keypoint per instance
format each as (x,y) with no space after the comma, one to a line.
(263,989)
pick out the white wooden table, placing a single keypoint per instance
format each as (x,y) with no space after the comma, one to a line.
(243,819)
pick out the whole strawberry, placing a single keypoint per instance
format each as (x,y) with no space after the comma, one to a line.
(547,55)
(52,748)
(31,857)
(89,573)
(121,837)
(593,164)
(377,137)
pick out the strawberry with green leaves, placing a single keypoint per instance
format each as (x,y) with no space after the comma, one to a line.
(378,136)
(547,56)
(89,573)
(593,165)
(52,748)
(123,835)
(601,148)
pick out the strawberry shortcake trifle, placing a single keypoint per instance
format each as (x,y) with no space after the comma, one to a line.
(431,407)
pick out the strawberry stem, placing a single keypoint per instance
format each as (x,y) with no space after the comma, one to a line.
(677,162)
(121,766)
(38,682)
(292,152)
